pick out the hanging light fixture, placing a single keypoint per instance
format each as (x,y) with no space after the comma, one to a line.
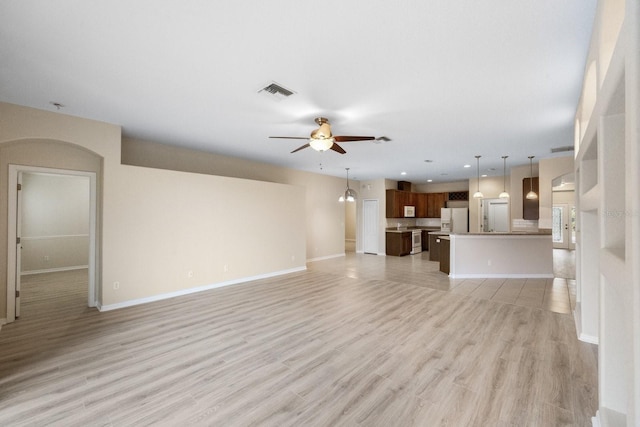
(504,194)
(531,195)
(350,195)
(478,194)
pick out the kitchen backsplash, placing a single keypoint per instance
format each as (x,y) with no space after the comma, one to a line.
(412,222)
(524,225)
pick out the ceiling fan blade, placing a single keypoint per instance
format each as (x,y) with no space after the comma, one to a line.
(336,147)
(290,137)
(353,138)
(300,148)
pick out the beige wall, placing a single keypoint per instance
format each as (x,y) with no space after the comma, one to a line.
(55,222)
(325,226)
(549,170)
(157,226)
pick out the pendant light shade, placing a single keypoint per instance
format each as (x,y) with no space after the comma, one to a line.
(478,194)
(531,195)
(350,194)
(504,194)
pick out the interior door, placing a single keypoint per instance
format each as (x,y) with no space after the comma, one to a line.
(18,242)
(499,217)
(370,226)
(561,226)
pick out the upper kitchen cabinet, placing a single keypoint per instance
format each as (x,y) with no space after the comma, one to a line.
(435,202)
(422,205)
(530,207)
(396,201)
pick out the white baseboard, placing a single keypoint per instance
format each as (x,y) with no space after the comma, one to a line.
(582,336)
(595,421)
(189,291)
(370,253)
(588,339)
(54,270)
(322,258)
(501,276)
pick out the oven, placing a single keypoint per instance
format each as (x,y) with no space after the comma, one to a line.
(416,241)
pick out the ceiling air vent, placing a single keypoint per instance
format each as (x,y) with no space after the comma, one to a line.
(562,149)
(276,91)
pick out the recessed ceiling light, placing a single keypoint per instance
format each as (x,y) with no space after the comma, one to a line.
(484,176)
(430,180)
(403,173)
(467,166)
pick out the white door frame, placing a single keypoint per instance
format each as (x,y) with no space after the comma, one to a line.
(12,273)
(365,224)
(566,243)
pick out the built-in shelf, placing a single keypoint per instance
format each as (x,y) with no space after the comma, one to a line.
(590,201)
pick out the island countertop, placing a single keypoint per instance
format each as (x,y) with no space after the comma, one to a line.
(510,233)
(501,255)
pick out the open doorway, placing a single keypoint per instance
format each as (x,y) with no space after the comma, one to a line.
(563,213)
(349,226)
(495,215)
(52,221)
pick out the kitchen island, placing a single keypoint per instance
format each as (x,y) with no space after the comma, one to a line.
(501,255)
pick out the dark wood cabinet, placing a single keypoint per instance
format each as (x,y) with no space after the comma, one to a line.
(434,247)
(422,205)
(530,208)
(398,244)
(396,201)
(444,255)
(435,201)
(425,240)
(427,205)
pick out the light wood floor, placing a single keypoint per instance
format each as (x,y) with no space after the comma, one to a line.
(360,340)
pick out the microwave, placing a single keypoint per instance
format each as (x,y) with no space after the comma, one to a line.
(409,211)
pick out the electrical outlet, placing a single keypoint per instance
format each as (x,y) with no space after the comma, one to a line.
(46,257)
(116,285)
(190,274)
(226,268)
(489,263)
(293,257)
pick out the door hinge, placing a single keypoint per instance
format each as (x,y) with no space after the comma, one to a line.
(17,240)
(17,294)
(19,187)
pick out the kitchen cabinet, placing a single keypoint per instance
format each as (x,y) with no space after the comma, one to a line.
(435,201)
(425,240)
(530,208)
(444,254)
(396,201)
(422,205)
(398,243)
(434,247)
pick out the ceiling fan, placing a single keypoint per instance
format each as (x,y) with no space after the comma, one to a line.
(321,139)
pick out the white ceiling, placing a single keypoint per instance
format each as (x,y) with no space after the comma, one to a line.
(445,80)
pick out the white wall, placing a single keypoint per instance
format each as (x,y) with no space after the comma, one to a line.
(55,222)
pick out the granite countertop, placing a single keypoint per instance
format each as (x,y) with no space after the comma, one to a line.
(409,229)
(512,233)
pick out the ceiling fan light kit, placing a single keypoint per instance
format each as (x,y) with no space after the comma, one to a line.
(322,139)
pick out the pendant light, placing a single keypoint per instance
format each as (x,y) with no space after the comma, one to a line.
(349,194)
(504,194)
(478,194)
(531,195)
